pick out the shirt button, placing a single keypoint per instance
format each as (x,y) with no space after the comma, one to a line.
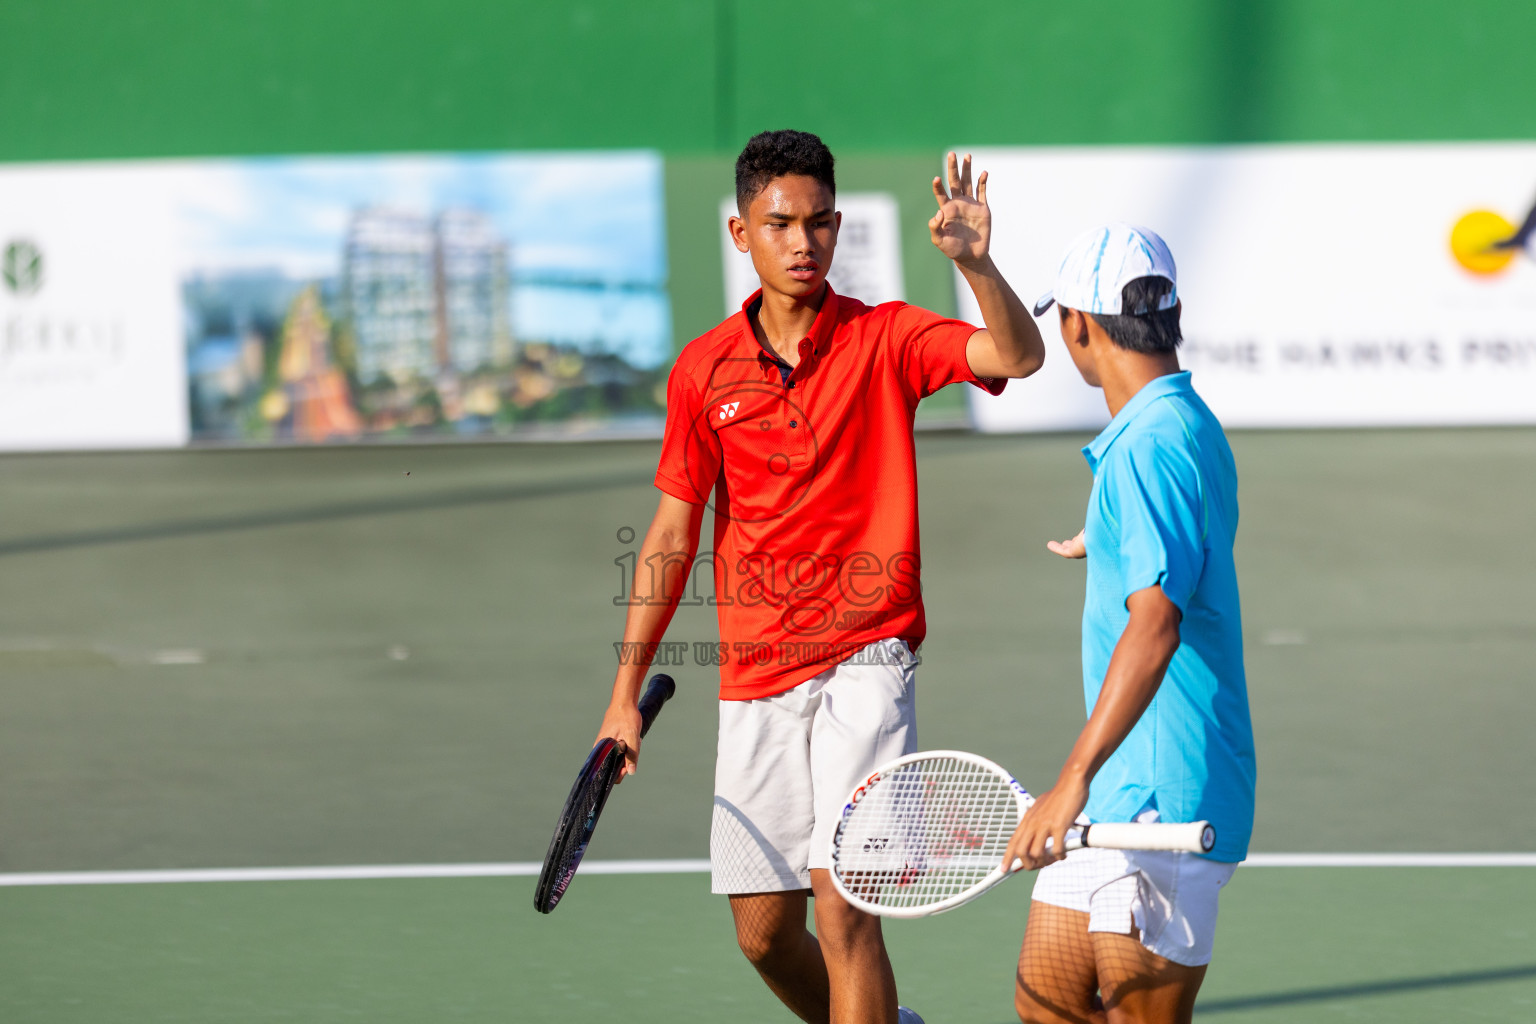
(791,384)
(794,423)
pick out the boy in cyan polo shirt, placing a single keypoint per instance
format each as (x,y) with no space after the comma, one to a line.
(1168,734)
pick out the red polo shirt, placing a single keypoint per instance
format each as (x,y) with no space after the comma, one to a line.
(813,481)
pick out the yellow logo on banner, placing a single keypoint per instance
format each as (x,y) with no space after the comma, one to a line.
(1485,242)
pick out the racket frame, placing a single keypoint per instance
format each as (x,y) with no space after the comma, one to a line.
(1191,837)
(1020,795)
(599,772)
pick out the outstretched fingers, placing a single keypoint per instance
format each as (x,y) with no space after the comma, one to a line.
(981,189)
(1074,548)
(939,193)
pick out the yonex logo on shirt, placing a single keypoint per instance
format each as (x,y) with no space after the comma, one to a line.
(728,410)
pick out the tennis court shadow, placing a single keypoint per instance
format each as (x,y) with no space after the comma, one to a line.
(176,528)
(192,527)
(1363,989)
(742,855)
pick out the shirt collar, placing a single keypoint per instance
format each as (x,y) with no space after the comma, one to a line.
(1151,391)
(812,346)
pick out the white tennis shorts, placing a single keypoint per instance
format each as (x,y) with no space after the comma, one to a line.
(1170,897)
(787,763)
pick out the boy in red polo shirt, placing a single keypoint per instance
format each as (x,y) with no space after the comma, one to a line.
(793,420)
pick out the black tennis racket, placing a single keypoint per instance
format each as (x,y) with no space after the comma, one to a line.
(578,818)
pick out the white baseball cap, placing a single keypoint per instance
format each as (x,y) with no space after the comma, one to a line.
(1099,263)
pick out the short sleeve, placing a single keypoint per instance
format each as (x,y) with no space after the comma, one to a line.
(690,450)
(931,351)
(1158,504)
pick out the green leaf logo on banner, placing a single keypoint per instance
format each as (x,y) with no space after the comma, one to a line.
(22,267)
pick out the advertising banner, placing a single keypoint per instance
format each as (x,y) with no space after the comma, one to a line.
(300,300)
(332,299)
(91,348)
(1323,285)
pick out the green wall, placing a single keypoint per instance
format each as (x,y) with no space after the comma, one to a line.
(189,77)
(887,83)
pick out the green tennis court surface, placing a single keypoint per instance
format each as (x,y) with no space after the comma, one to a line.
(227,659)
(1346,944)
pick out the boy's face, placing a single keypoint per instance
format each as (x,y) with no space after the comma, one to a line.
(790,230)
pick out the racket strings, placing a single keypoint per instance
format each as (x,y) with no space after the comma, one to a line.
(924,832)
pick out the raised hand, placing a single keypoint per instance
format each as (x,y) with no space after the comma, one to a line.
(962,229)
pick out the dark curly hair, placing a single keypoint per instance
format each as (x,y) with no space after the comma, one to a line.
(770,155)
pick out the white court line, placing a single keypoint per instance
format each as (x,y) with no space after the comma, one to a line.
(324,874)
(1391,860)
(665,867)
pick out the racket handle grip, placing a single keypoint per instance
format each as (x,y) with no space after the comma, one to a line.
(658,693)
(1190,837)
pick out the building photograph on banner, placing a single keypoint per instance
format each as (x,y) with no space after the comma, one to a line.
(867,264)
(1322,285)
(331,299)
(302,300)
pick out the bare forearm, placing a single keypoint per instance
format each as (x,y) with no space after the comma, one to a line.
(661,577)
(1135,672)
(644,627)
(1018,348)
(666,556)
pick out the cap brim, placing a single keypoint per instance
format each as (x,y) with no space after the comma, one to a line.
(1045,302)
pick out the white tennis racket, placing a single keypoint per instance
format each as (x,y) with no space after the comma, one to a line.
(927,832)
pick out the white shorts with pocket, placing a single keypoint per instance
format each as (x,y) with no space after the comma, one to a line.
(787,763)
(1169,897)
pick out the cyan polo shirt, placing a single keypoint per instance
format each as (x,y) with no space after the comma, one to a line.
(1163,512)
